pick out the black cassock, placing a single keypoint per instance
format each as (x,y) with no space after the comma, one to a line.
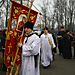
(66,41)
(60,43)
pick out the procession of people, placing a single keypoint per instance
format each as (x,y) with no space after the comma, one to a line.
(35,50)
(24,51)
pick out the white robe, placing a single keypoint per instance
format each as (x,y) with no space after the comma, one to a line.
(29,49)
(46,49)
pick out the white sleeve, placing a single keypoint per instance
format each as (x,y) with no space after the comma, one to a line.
(26,47)
(35,46)
(32,49)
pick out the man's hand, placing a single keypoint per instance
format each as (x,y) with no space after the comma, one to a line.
(19,45)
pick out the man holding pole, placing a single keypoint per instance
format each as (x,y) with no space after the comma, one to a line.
(30,51)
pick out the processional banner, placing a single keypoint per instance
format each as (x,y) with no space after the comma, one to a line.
(17,12)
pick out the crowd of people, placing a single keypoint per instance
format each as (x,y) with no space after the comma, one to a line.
(66,40)
(35,49)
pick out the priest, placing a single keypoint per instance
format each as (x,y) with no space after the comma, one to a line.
(30,51)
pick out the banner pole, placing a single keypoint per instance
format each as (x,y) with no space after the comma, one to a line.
(29,11)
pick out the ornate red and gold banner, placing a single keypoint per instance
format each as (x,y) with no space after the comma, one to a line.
(17,12)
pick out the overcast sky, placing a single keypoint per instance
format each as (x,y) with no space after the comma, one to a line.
(38,3)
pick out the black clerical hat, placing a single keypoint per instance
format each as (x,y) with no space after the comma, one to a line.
(29,25)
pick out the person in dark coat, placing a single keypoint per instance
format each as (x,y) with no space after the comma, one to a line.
(59,38)
(2,47)
(73,43)
(66,41)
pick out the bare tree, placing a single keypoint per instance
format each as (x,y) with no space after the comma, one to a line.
(65,13)
(71,14)
(46,12)
(60,11)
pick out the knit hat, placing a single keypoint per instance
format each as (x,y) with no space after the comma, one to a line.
(29,25)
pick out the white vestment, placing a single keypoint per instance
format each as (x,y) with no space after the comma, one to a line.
(46,49)
(29,50)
